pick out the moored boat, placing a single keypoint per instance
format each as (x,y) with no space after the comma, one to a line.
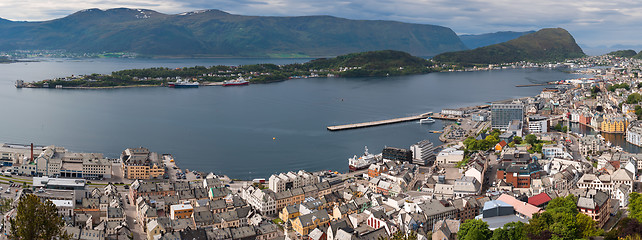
(358,163)
(237,82)
(183,84)
(427,120)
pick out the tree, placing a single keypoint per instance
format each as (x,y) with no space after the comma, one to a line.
(36,220)
(635,206)
(531,139)
(473,229)
(517,140)
(561,220)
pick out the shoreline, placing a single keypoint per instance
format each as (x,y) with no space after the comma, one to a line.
(292,78)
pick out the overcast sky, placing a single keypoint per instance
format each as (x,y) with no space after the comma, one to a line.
(592,22)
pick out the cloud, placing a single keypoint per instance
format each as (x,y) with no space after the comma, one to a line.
(592,22)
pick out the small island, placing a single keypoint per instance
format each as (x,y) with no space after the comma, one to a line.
(366,64)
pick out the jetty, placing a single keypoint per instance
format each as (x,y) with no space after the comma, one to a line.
(380,122)
(534,85)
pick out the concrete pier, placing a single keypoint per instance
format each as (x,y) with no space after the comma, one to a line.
(377,123)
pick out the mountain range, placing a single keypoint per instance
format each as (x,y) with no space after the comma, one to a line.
(217,33)
(549,44)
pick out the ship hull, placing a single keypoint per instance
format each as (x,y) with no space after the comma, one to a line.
(235,84)
(184,86)
(354,168)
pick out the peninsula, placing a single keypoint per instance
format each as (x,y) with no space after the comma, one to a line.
(374,63)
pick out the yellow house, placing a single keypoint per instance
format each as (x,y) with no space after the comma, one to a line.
(153,229)
(614,125)
(140,163)
(306,223)
(289,212)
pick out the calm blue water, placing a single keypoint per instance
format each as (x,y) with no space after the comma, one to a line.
(244,132)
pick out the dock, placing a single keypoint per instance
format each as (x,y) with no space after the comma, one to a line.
(533,85)
(377,123)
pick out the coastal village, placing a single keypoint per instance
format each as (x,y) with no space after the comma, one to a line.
(498,163)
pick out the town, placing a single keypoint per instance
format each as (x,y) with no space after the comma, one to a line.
(500,164)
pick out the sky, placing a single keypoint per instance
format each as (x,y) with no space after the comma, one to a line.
(593,23)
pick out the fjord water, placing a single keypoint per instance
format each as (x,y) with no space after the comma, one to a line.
(243,132)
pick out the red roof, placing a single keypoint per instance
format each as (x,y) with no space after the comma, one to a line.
(502,143)
(539,199)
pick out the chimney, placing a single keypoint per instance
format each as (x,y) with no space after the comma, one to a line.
(31,152)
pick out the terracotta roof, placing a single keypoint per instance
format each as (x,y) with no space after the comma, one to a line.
(539,199)
(523,208)
(502,143)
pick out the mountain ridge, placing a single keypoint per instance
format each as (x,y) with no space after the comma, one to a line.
(549,44)
(473,41)
(218,33)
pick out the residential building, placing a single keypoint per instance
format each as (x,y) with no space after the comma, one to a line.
(595,204)
(181,211)
(140,163)
(286,181)
(304,224)
(590,145)
(466,186)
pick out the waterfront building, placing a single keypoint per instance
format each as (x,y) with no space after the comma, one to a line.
(503,113)
(140,163)
(453,112)
(537,124)
(423,153)
(396,154)
(478,117)
(59,183)
(614,124)
(634,134)
(290,180)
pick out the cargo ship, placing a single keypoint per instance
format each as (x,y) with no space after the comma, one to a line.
(238,82)
(357,163)
(183,84)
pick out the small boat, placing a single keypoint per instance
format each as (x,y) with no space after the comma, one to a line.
(426,120)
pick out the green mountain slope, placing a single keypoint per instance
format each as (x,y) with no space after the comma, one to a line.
(550,44)
(623,53)
(481,40)
(217,33)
